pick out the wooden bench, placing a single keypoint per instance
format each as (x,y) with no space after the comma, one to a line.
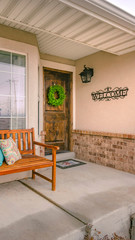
(25,140)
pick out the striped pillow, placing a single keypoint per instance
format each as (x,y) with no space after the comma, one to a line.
(10,150)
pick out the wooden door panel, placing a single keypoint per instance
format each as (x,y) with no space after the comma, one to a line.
(56,119)
(55,131)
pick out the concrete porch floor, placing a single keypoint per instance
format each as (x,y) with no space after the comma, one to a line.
(89,194)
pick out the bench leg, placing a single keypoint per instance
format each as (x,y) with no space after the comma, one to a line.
(54,178)
(33,175)
(54,170)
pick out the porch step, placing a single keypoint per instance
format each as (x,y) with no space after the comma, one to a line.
(62,156)
(34,217)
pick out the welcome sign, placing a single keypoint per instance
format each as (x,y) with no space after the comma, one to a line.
(108,93)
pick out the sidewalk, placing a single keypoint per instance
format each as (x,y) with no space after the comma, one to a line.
(27,216)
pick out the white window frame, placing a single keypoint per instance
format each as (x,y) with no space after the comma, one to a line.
(26,88)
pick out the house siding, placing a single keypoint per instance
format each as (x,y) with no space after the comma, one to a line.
(108,149)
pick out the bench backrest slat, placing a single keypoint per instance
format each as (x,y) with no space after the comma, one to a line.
(23,137)
(13,136)
(24,142)
(8,135)
(29,140)
(2,136)
(19,141)
(33,139)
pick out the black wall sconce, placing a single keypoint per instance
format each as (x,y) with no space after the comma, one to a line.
(86,74)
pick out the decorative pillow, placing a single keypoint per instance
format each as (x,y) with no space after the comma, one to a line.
(1,157)
(10,150)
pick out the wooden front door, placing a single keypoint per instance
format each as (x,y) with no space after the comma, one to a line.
(57,119)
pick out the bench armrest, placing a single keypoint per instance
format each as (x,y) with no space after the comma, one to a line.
(46,146)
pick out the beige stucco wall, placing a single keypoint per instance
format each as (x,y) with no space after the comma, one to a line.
(32,76)
(117,116)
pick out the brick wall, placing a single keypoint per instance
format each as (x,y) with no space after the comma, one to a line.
(108,149)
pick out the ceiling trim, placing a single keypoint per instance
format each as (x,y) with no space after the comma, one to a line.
(114,10)
(51,33)
(105,12)
(73,28)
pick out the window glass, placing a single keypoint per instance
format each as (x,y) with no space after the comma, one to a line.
(19,123)
(12,90)
(18,64)
(18,107)
(5,106)
(5,123)
(18,85)
(5,61)
(5,83)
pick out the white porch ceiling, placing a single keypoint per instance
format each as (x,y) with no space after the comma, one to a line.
(72,28)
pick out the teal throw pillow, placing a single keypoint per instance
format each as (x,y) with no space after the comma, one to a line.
(1,157)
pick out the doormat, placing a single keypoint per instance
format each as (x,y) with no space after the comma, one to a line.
(68,163)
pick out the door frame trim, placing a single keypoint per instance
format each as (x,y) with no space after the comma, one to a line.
(71,101)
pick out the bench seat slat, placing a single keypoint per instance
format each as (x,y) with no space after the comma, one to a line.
(30,162)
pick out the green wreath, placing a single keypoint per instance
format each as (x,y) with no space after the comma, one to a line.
(51,95)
